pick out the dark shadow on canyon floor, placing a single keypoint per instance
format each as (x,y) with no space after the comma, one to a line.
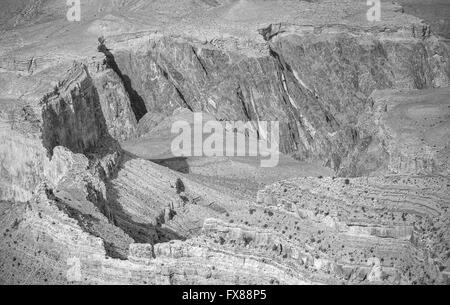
(178,164)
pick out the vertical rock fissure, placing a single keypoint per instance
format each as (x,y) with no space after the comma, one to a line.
(240,97)
(179,93)
(200,61)
(183,99)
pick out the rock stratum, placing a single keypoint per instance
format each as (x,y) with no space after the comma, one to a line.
(90,193)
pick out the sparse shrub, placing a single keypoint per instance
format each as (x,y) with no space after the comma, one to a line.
(179,185)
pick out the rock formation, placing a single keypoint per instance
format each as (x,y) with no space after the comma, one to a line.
(89,190)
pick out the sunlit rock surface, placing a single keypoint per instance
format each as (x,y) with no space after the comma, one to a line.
(89,189)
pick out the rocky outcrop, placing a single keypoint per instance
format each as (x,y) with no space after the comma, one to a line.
(403,132)
(398,223)
(68,116)
(361,99)
(82,206)
(84,113)
(391,230)
(316,80)
(114,100)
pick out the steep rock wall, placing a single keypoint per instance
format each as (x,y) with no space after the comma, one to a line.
(315,82)
(71,116)
(115,103)
(403,132)
(82,113)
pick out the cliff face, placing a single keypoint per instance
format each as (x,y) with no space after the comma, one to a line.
(315,81)
(67,116)
(362,100)
(403,132)
(72,119)
(341,68)
(114,100)
(82,114)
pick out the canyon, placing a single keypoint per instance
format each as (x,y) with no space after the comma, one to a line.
(91,193)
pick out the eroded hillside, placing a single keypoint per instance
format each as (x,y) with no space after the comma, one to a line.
(91,193)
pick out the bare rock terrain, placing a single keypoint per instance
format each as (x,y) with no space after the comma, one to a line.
(90,192)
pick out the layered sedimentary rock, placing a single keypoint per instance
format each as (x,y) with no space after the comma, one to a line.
(404,132)
(82,206)
(30,132)
(315,81)
(399,223)
(82,113)
(83,116)
(381,230)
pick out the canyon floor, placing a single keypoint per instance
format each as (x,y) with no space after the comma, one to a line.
(91,193)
